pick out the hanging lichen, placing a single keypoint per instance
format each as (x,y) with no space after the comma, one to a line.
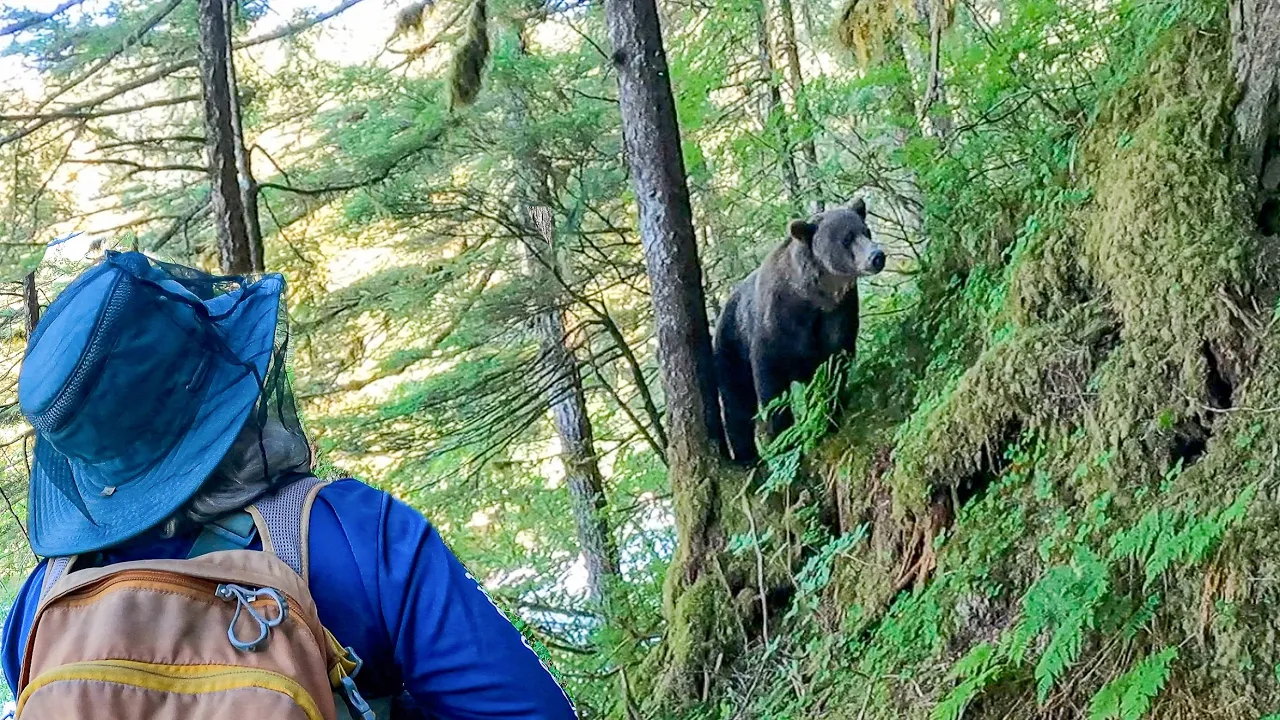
(469,60)
(410,18)
(867,28)
(874,29)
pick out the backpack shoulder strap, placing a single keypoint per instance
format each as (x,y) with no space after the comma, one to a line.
(232,532)
(284,519)
(53,572)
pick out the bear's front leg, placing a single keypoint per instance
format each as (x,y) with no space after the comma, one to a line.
(773,376)
(738,393)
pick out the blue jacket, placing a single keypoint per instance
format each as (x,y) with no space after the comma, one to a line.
(386,585)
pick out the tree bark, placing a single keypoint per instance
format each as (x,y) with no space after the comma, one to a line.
(31,303)
(1255,58)
(229,218)
(696,599)
(652,141)
(565,396)
(924,65)
(248,185)
(568,406)
(789,49)
(773,112)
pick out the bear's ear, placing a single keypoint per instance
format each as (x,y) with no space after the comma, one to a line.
(859,206)
(802,230)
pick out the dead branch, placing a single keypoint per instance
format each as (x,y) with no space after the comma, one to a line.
(181,223)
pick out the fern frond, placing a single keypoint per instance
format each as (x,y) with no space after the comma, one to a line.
(1064,603)
(977,660)
(976,670)
(1166,537)
(1129,696)
(1140,617)
(952,707)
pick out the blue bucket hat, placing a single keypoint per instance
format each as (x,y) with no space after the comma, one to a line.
(137,380)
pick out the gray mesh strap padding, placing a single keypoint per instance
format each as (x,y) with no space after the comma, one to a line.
(282,522)
(54,572)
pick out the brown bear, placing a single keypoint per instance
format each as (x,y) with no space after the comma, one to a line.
(789,316)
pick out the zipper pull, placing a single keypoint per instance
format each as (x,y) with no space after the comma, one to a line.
(244,598)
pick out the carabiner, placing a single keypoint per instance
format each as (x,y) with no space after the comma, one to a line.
(243,598)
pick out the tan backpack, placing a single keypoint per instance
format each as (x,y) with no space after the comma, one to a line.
(225,633)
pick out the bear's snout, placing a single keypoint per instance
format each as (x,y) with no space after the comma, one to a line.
(875,260)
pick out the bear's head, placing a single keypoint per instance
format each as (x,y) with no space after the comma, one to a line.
(840,240)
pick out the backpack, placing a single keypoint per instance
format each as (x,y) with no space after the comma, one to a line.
(227,632)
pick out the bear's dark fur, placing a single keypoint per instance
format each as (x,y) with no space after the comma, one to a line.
(789,316)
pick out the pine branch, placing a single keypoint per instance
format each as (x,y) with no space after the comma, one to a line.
(136,166)
(181,223)
(34,20)
(83,113)
(382,175)
(156,141)
(79,109)
(131,39)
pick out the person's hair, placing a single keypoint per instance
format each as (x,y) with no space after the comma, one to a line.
(257,463)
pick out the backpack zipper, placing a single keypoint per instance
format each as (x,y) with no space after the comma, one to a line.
(197,588)
(194,588)
(177,679)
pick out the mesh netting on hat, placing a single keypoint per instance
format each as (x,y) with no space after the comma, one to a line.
(202,311)
(272,440)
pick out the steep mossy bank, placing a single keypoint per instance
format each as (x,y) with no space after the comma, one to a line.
(1056,489)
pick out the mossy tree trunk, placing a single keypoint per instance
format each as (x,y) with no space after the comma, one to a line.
(566,398)
(702,625)
(923,57)
(654,155)
(568,405)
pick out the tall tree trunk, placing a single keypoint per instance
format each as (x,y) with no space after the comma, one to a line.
(229,218)
(573,426)
(654,155)
(565,396)
(244,160)
(789,49)
(696,599)
(774,113)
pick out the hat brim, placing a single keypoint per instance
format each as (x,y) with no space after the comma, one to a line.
(57,525)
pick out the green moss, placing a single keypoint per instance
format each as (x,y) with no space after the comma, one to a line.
(1031,379)
(1106,381)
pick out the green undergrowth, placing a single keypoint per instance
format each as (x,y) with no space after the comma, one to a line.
(1050,492)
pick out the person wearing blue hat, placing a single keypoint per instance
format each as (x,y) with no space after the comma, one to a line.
(160,403)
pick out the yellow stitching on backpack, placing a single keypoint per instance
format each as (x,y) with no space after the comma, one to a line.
(183,679)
